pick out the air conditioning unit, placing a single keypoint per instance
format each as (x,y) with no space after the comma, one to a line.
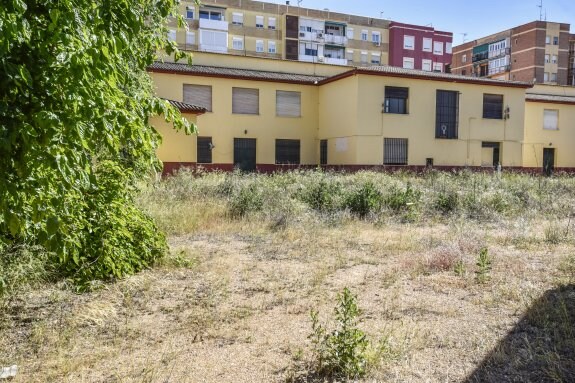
(320,59)
(302,34)
(320,35)
(377,43)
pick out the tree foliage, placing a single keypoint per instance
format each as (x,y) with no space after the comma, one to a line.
(75,103)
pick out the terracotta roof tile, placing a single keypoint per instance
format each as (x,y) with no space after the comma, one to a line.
(187,108)
(550,98)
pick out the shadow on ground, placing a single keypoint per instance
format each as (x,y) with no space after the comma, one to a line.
(541,348)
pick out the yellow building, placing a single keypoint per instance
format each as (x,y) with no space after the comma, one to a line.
(284,113)
(550,128)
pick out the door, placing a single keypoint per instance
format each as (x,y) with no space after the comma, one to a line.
(548,161)
(490,154)
(245,154)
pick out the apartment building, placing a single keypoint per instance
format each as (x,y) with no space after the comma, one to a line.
(535,52)
(261,118)
(571,71)
(290,32)
(417,47)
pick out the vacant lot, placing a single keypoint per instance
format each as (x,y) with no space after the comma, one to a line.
(252,255)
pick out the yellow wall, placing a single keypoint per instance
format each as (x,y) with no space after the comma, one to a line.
(176,146)
(223,126)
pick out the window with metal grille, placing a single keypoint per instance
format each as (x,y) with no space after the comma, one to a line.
(395,151)
(245,101)
(493,106)
(323,152)
(288,104)
(287,152)
(200,95)
(395,100)
(204,150)
(446,114)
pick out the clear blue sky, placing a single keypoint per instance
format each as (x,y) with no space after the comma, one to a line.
(476,18)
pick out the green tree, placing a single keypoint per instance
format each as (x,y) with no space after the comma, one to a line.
(75,104)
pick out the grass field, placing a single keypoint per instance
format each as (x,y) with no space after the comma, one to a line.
(252,255)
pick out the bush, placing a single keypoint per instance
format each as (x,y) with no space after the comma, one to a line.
(446,202)
(341,352)
(322,196)
(248,199)
(402,200)
(365,200)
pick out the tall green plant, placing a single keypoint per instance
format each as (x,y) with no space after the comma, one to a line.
(75,103)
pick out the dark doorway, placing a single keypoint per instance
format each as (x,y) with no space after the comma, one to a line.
(548,161)
(245,154)
(323,152)
(491,154)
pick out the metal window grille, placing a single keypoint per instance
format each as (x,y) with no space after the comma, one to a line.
(204,150)
(395,151)
(323,152)
(493,106)
(287,152)
(446,114)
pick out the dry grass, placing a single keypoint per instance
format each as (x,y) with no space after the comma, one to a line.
(232,302)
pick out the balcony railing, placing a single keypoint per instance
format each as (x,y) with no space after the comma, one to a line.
(312,36)
(501,69)
(337,40)
(335,61)
(213,48)
(214,24)
(499,53)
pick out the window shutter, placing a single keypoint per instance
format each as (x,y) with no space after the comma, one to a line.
(200,95)
(550,119)
(395,92)
(245,101)
(288,104)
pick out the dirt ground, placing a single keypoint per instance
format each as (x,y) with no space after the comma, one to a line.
(234,306)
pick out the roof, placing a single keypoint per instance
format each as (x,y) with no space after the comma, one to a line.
(550,98)
(242,74)
(187,108)
(390,71)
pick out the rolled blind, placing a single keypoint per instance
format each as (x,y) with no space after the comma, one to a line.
(396,92)
(550,119)
(493,106)
(245,101)
(288,104)
(200,95)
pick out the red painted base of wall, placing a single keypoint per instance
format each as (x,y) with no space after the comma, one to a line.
(172,167)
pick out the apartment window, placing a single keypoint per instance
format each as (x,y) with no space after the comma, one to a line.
(375,37)
(287,152)
(463,72)
(448,48)
(364,57)
(190,38)
(172,35)
(547,59)
(427,44)
(437,67)
(323,152)
(554,59)
(555,40)
(493,106)
(547,40)
(395,151)
(553,77)
(464,58)
(349,33)
(245,101)
(426,65)
(288,104)
(271,23)
(259,46)
(545,77)
(376,58)
(349,55)
(271,47)
(395,100)
(437,48)
(204,154)
(200,95)
(364,35)
(408,63)
(446,114)
(238,43)
(237,18)
(189,13)
(550,119)
(211,15)
(409,42)
(309,49)
(259,22)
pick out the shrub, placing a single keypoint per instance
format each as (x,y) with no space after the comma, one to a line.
(402,200)
(483,266)
(365,200)
(322,196)
(553,234)
(341,352)
(248,199)
(446,202)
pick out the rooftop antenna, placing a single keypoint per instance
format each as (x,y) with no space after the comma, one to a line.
(540,6)
(463,37)
(381,14)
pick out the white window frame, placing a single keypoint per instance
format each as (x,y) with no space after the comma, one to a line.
(448,48)
(364,34)
(237,18)
(363,57)
(426,63)
(427,44)
(272,47)
(376,37)
(410,61)
(547,58)
(190,38)
(406,42)
(349,55)
(190,9)
(259,46)
(548,40)
(378,56)
(438,67)
(349,33)
(271,23)
(238,43)
(259,25)
(551,119)
(438,48)
(554,59)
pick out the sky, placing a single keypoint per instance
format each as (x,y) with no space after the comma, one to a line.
(476,18)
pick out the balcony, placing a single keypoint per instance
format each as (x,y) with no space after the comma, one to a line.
(312,36)
(336,40)
(214,24)
(213,48)
(334,61)
(499,53)
(501,69)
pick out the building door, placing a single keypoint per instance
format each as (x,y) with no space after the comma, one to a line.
(490,154)
(245,154)
(323,152)
(548,161)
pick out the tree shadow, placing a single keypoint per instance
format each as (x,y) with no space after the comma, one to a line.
(541,347)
